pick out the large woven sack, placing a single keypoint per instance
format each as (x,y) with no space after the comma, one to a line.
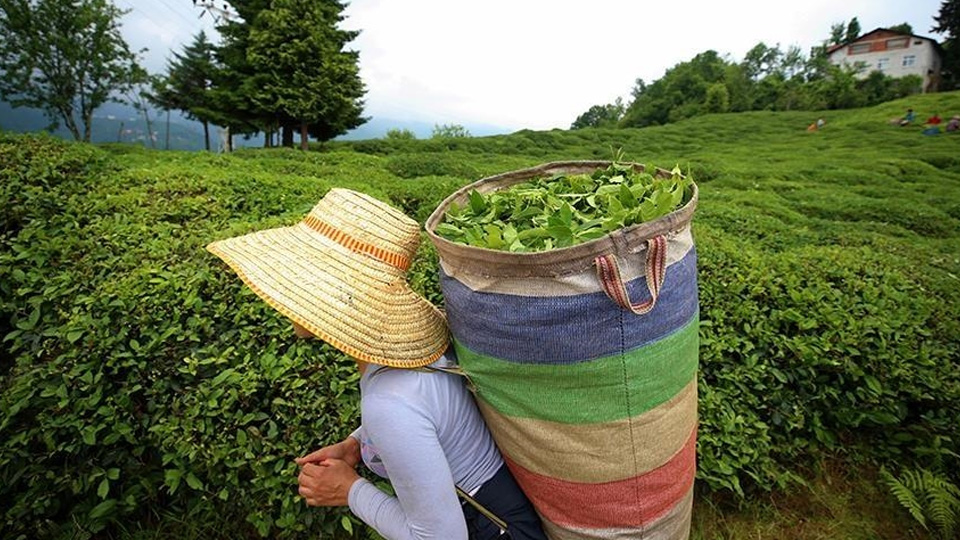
(584,361)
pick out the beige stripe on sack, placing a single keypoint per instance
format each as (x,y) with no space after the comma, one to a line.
(678,245)
(596,453)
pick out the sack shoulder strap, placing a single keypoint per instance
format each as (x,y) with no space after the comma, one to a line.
(482,509)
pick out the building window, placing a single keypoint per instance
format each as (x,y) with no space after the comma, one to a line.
(883,63)
(909,60)
(898,43)
(859,48)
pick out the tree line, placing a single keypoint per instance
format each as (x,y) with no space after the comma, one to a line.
(281,68)
(771,78)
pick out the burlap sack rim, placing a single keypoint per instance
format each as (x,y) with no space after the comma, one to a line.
(557,262)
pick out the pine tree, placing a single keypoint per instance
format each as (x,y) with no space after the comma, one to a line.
(303,72)
(237,81)
(948,23)
(188,84)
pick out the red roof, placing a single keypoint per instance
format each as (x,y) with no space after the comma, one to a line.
(877,33)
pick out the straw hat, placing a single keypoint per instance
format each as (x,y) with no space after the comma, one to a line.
(341,274)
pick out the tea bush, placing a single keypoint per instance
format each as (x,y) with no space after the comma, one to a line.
(430,164)
(143,388)
(141,378)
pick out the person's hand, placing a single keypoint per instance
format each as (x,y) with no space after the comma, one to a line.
(347,450)
(327,483)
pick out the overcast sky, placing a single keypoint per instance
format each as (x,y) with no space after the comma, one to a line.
(536,64)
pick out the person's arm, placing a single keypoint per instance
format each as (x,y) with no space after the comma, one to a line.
(426,505)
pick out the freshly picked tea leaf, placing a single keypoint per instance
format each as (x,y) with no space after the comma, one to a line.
(564,210)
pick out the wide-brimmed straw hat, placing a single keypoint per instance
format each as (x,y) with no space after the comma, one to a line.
(341,274)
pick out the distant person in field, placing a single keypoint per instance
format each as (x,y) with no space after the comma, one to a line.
(817,125)
(340,275)
(953,124)
(906,119)
(932,125)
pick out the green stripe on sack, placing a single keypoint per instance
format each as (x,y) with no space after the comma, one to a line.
(587,392)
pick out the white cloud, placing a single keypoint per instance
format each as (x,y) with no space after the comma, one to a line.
(536,63)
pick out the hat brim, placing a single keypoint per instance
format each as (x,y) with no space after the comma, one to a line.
(358,304)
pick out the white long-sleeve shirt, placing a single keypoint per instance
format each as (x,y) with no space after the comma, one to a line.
(426,430)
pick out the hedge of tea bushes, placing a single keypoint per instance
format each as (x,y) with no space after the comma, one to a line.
(142,387)
(140,381)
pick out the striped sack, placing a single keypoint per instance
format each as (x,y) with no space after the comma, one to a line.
(584,361)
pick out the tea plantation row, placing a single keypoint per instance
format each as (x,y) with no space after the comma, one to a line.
(142,388)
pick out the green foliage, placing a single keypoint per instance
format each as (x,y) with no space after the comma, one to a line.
(139,376)
(948,19)
(903,28)
(601,115)
(141,383)
(415,165)
(564,210)
(948,24)
(853,30)
(449,131)
(400,134)
(931,498)
(718,99)
(679,94)
(767,79)
(187,85)
(303,71)
(66,58)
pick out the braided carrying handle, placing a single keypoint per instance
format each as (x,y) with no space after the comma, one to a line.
(608,271)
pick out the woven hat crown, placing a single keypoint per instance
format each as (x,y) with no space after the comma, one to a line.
(339,274)
(359,218)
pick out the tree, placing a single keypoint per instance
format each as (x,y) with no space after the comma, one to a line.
(718,99)
(140,98)
(903,28)
(236,82)
(600,115)
(761,60)
(839,88)
(397,134)
(948,20)
(65,58)
(681,93)
(948,23)
(837,33)
(188,84)
(853,30)
(449,131)
(305,73)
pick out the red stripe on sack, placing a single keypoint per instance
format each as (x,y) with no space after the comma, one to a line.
(389,257)
(629,503)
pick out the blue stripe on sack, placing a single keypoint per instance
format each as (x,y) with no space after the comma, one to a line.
(568,329)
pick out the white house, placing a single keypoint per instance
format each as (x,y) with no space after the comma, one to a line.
(893,53)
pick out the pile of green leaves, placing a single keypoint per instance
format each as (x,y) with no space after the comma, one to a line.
(564,210)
